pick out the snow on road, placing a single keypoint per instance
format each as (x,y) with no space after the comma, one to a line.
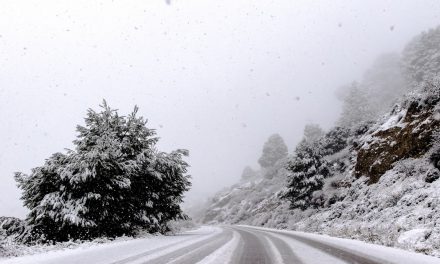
(115,252)
(380,254)
(231,244)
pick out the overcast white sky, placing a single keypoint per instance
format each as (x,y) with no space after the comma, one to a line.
(215,77)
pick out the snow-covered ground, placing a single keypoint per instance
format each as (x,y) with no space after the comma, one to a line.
(231,244)
(113,251)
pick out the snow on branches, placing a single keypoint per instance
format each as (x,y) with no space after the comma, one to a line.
(114,182)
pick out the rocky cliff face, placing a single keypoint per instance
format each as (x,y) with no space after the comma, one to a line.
(408,133)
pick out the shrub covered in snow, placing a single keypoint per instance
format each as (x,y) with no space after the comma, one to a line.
(114,182)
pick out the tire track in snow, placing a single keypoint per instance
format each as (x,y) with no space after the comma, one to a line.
(225,253)
(340,253)
(195,252)
(280,251)
(277,258)
(287,254)
(138,258)
(252,250)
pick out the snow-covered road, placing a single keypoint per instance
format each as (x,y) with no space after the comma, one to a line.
(231,244)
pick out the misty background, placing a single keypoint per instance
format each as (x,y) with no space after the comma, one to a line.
(216,78)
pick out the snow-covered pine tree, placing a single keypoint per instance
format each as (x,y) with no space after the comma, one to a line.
(103,186)
(380,88)
(313,132)
(305,175)
(384,83)
(273,150)
(335,140)
(308,167)
(356,108)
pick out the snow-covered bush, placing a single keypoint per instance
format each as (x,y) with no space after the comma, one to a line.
(335,140)
(114,182)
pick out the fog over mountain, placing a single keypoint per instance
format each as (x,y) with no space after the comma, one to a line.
(216,78)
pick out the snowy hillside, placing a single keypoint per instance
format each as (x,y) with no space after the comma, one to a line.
(387,191)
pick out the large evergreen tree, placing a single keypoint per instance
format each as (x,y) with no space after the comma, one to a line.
(114,182)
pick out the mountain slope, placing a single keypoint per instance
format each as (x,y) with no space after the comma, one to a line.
(386,191)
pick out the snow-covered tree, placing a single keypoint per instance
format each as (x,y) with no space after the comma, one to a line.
(380,88)
(384,83)
(310,165)
(306,175)
(114,182)
(313,132)
(421,57)
(334,141)
(158,188)
(273,150)
(41,194)
(356,108)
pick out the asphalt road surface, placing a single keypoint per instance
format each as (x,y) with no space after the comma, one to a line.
(232,244)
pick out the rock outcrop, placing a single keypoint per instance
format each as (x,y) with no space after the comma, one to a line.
(408,133)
